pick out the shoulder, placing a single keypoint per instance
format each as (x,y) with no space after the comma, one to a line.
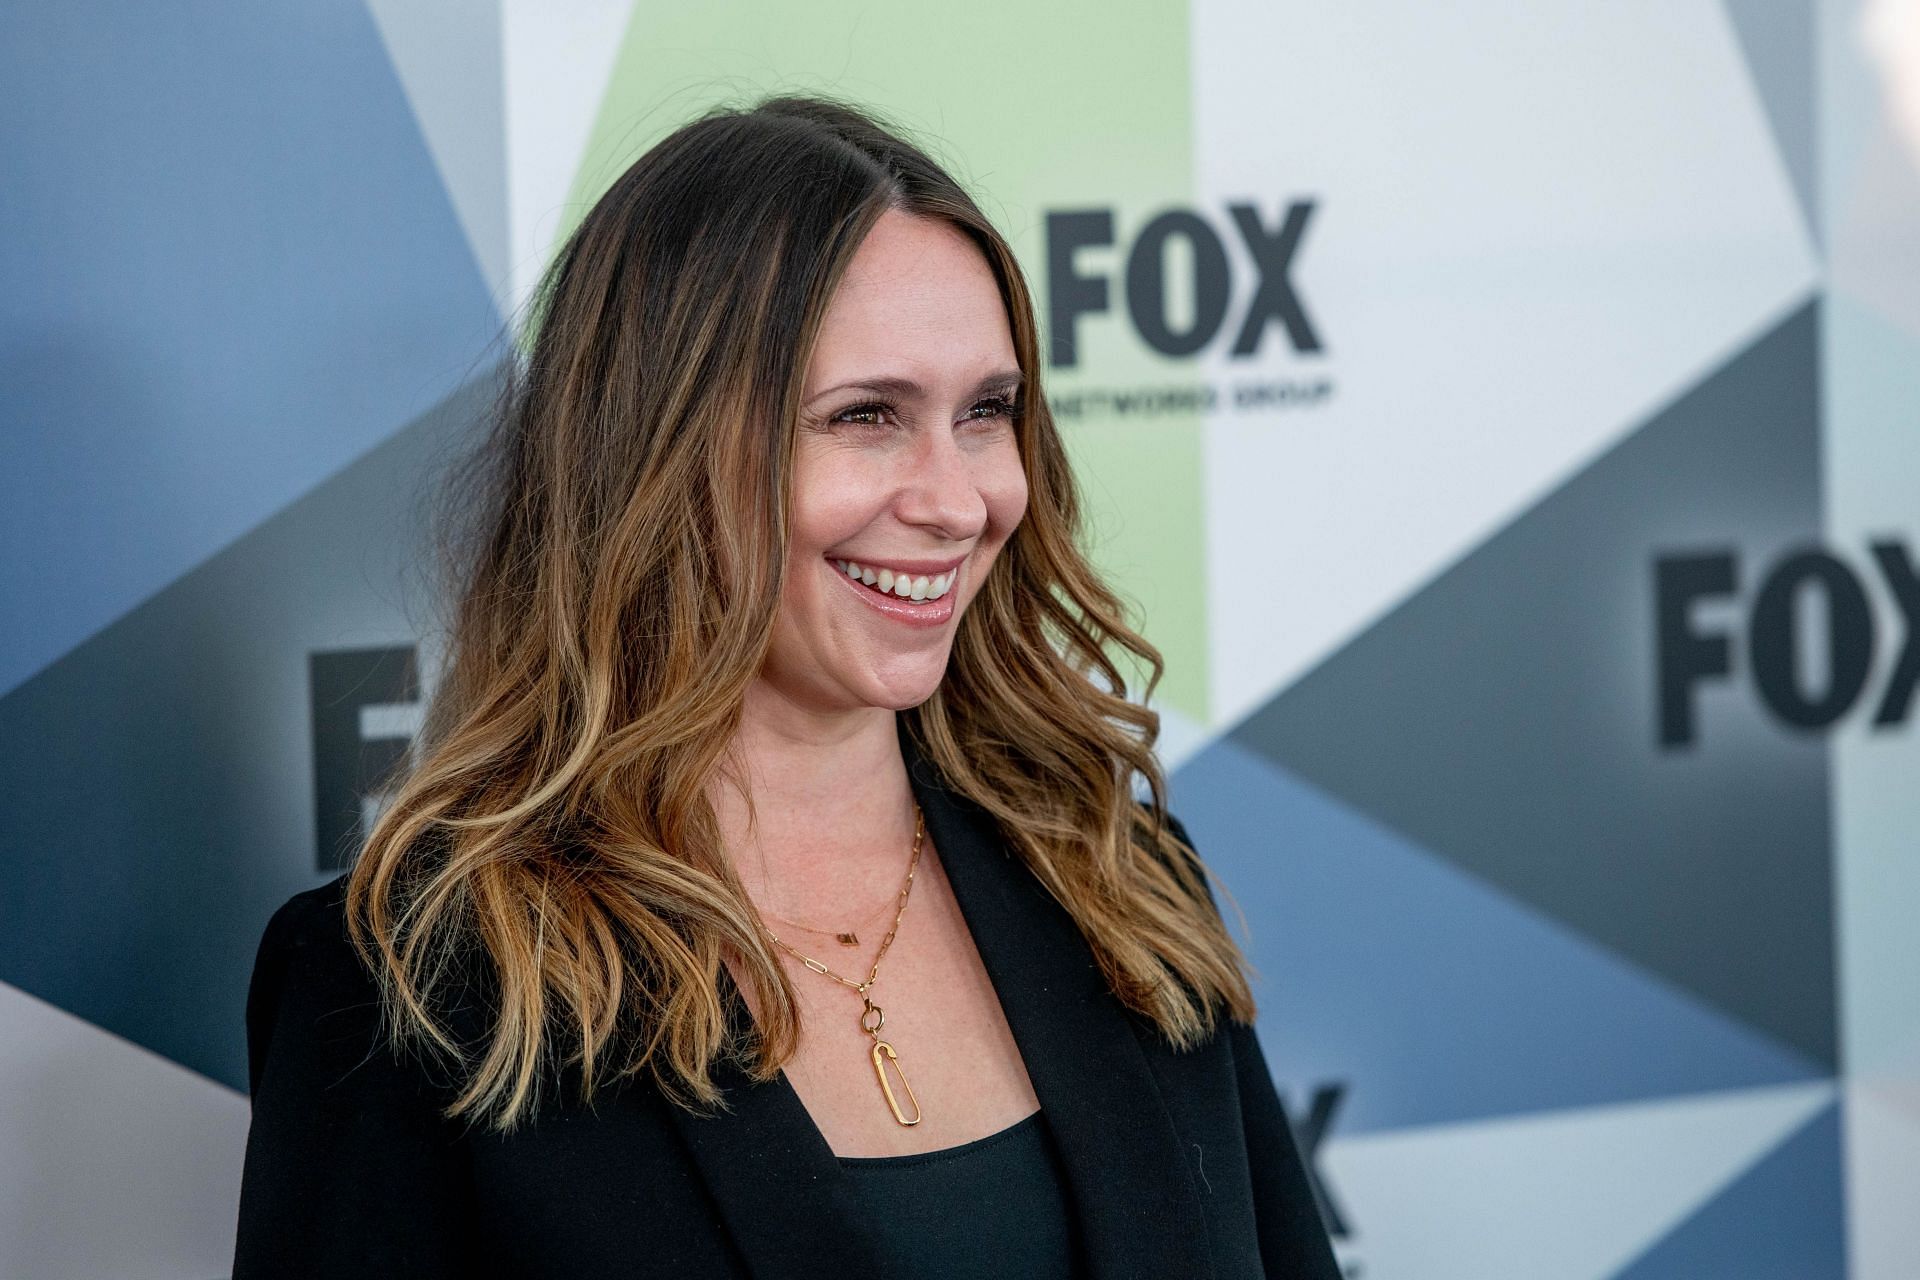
(1179,830)
(308,923)
(309,983)
(306,941)
(314,1005)
(352,1167)
(1143,816)
(307,936)
(1178,827)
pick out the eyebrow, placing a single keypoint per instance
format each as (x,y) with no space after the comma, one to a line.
(907,388)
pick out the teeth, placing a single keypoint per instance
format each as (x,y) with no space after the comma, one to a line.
(901,585)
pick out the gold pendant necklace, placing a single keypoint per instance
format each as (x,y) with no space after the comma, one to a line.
(882,1052)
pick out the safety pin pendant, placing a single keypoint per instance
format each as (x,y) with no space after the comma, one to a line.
(879,1069)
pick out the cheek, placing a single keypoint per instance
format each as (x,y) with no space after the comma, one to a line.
(830,503)
(1005,493)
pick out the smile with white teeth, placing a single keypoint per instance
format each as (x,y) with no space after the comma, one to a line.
(886,582)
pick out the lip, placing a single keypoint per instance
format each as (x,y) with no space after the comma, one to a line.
(931,615)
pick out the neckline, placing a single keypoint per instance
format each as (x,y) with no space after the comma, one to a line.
(1104,1113)
(1028,1121)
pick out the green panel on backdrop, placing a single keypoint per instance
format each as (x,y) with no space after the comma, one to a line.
(1034,108)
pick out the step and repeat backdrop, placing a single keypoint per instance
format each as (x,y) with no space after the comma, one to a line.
(1506,419)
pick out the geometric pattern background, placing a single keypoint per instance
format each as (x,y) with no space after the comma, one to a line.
(1526,507)
(1503,715)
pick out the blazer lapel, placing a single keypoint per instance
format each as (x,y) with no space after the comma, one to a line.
(786,1202)
(1140,1212)
(791,1208)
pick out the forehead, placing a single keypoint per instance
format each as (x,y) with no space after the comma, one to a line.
(918,297)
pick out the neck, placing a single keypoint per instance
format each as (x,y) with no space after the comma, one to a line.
(834,815)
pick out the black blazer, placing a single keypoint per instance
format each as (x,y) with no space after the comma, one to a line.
(1178,1164)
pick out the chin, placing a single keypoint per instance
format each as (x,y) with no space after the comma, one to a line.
(904,692)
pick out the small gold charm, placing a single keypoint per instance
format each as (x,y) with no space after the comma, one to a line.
(847,939)
(879,1069)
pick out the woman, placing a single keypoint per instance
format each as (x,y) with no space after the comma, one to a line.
(769,895)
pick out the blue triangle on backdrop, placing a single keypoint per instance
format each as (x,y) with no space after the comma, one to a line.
(1783,1219)
(271,280)
(1434,996)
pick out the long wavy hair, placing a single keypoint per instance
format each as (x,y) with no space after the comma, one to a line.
(614,590)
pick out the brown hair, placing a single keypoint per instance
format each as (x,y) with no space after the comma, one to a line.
(615,595)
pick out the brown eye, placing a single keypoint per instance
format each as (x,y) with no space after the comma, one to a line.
(853,415)
(996,407)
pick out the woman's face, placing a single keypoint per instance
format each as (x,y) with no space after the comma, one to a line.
(906,465)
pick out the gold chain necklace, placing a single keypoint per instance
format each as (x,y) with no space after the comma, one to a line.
(845,937)
(870,1009)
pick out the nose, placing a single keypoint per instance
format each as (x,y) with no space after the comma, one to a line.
(941,489)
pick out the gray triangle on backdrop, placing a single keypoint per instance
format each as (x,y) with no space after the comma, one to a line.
(448,58)
(1507,716)
(1777,41)
(161,776)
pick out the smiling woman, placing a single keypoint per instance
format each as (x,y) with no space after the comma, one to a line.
(769,883)
(907,463)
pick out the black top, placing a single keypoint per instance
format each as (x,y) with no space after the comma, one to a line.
(1178,1163)
(994,1207)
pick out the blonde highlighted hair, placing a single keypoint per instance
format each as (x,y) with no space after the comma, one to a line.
(615,591)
